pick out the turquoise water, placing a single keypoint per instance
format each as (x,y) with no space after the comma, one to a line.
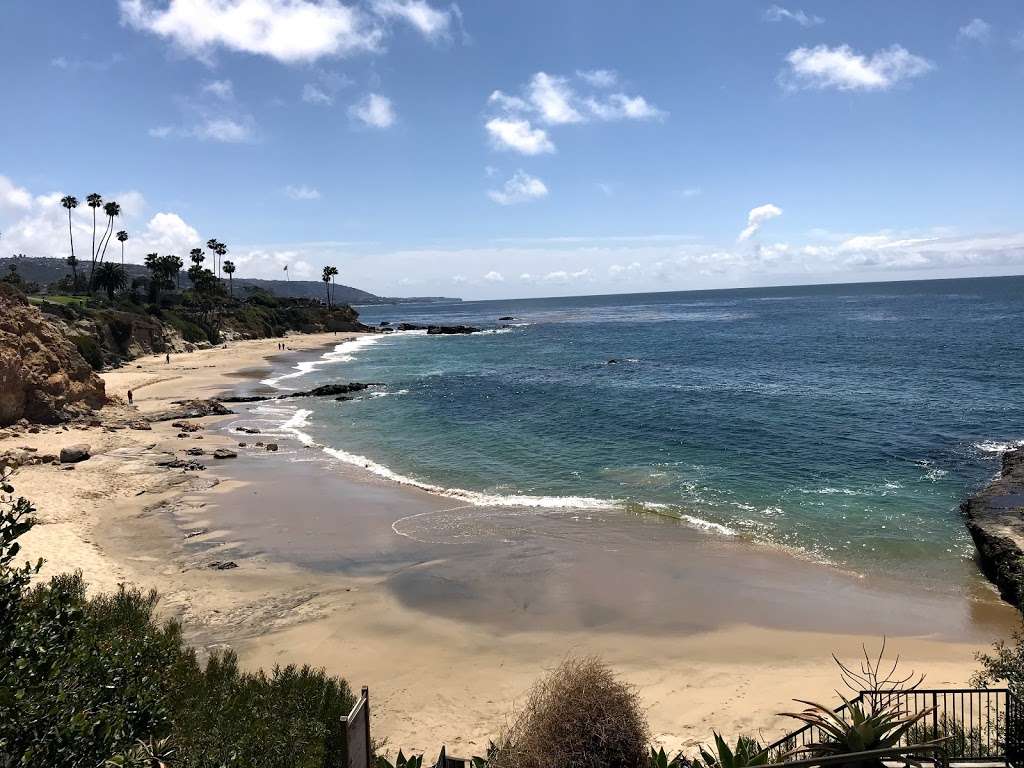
(845,422)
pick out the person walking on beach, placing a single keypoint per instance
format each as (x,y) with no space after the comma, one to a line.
(168,359)
(129,397)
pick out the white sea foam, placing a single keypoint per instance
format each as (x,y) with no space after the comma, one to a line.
(293,426)
(993,446)
(344,352)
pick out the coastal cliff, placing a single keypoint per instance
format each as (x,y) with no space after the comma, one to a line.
(995,519)
(43,377)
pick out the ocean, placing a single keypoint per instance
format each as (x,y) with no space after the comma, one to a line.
(843,423)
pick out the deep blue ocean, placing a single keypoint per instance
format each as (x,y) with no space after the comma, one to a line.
(844,422)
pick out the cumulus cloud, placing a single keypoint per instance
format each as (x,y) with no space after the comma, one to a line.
(976,31)
(211,115)
(757,217)
(373,110)
(778,13)
(521,188)
(519,135)
(13,197)
(556,100)
(302,192)
(429,21)
(289,31)
(494,277)
(846,70)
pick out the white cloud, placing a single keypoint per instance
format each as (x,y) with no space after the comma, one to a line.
(286,30)
(621,107)
(162,131)
(12,197)
(976,30)
(521,188)
(430,22)
(778,13)
(222,89)
(373,110)
(494,277)
(519,135)
(1017,41)
(563,276)
(168,232)
(313,94)
(841,68)
(551,97)
(757,217)
(692,192)
(302,192)
(224,129)
(599,78)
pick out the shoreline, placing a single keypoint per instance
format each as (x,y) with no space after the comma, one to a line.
(367,620)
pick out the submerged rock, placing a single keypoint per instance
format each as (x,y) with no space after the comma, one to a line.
(995,519)
(433,330)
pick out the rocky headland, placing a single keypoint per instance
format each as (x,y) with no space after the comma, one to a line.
(995,519)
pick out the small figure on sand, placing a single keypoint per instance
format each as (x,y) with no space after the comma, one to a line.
(168,358)
(129,397)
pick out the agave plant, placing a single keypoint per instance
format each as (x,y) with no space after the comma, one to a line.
(746,753)
(661,760)
(414,761)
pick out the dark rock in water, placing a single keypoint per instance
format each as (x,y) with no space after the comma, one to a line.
(434,330)
(223,566)
(224,453)
(334,389)
(506,317)
(248,430)
(995,519)
(271,446)
(245,398)
(242,445)
(73,454)
(411,327)
(197,451)
(384,322)
(191,409)
(196,532)
(613,361)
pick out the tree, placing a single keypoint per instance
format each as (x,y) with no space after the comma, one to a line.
(328,277)
(218,249)
(113,210)
(111,278)
(121,237)
(174,265)
(94,201)
(229,269)
(70,202)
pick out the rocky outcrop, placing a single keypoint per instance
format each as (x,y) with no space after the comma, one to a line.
(43,377)
(191,409)
(995,519)
(434,330)
(72,454)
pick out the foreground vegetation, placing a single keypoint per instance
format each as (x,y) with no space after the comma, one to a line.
(101,681)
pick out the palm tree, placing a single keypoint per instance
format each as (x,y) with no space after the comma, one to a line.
(229,269)
(94,201)
(121,237)
(327,277)
(214,245)
(111,278)
(222,250)
(70,202)
(174,265)
(113,210)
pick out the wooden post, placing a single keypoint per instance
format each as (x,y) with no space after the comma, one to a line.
(366,708)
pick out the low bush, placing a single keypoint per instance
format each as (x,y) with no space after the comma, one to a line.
(579,716)
(90,350)
(102,681)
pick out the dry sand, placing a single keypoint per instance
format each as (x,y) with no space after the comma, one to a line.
(425,625)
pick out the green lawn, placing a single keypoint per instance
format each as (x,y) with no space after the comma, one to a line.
(59,299)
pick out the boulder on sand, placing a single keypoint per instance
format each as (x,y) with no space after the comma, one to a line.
(224,453)
(72,454)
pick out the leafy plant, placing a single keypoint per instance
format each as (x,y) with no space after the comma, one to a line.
(747,752)
(414,761)
(661,760)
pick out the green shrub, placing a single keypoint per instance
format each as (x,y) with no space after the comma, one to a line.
(90,350)
(84,681)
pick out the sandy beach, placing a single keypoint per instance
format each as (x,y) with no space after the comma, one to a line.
(343,570)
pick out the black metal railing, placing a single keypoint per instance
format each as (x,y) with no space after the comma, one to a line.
(976,725)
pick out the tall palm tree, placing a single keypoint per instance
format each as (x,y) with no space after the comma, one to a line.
(222,250)
(229,270)
(174,265)
(94,201)
(121,237)
(111,278)
(113,210)
(71,202)
(213,244)
(327,277)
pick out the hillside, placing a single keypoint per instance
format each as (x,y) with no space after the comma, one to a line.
(45,271)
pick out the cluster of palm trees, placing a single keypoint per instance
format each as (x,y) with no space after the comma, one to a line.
(102,274)
(328,278)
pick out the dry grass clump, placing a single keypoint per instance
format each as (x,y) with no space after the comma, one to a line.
(578,716)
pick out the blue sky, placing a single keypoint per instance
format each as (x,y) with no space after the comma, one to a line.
(525,148)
